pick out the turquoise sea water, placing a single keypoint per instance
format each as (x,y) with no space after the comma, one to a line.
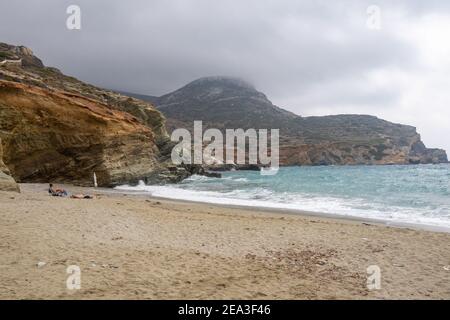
(417,194)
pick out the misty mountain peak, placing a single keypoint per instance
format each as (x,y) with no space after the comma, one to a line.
(223,81)
(213,89)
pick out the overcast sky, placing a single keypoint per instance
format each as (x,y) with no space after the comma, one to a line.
(310,57)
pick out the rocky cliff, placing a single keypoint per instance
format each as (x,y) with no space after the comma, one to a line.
(55,128)
(223,102)
(32,71)
(50,135)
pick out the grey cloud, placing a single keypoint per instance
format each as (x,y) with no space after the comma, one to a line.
(152,47)
(302,54)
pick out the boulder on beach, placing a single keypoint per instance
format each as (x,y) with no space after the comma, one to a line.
(7,182)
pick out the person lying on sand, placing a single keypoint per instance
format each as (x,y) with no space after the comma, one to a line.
(63,193)
(81,196)
(56,192)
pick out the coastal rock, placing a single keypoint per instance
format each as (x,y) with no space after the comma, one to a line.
(55,128)
(56,136)
(7,182)
(212,174)
(175,174)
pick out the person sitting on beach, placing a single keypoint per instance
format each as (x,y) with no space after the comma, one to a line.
(57,192)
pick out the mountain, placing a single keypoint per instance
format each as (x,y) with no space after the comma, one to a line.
(224,102)
(55,128)
(221,102)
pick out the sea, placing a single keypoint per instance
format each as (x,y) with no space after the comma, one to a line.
(396,194)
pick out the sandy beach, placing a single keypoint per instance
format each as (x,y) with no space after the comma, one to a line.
(137,247)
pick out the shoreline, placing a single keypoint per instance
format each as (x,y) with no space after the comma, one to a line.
(130,246)
(323,215)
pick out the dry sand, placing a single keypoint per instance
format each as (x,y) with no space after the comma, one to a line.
(136,247)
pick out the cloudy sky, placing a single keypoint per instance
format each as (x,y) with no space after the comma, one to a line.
(310,57)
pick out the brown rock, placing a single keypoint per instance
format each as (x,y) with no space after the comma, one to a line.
(57,128)
(7,182)
(51,135)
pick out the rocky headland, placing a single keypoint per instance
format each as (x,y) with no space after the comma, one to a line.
(55,128)
(224,102)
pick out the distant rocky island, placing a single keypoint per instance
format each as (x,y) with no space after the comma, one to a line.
(56,128)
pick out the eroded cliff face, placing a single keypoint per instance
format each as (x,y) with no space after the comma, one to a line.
(55,128)
(356,139)
(51,135)
(30,70)
(354,154)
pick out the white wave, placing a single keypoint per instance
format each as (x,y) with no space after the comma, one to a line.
(196,177)
(260,197)
(241,180)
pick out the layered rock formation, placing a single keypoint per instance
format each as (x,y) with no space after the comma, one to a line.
(356,139)
(50,135)
(222,102)
(31,71)
(55,128)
